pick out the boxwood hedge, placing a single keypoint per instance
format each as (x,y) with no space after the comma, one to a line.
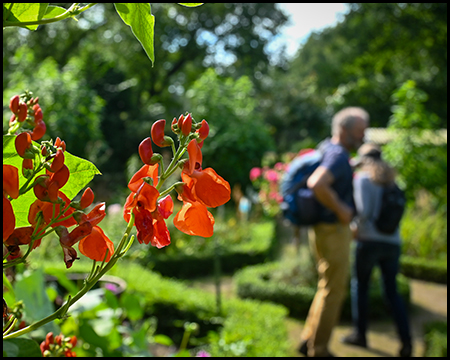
(236,246)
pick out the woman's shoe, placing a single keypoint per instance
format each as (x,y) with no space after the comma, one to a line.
(355,339)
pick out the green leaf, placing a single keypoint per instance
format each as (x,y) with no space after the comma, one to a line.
(24,12)
(21,348)
(54,11)
(190,4)
(81,173)
(138,16)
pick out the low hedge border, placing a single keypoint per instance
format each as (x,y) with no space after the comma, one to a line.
(424,269)
(255,282)
(232,257)
(435,339)
(245,327)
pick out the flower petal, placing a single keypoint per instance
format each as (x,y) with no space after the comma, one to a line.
(11,181)
(165,206)
(210,188)
(145,171)
(194,219)
(95,245)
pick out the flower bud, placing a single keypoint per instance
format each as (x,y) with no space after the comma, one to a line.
(23,112)
(22,143)
(186,125)
(14,104)
(157,134)
(58,161)
(203,132)
(146,151)
(87,198)
(27,168)
(174,126)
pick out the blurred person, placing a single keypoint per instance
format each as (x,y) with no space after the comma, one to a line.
(373,248)
(330,239)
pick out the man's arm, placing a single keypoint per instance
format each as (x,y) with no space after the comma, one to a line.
(320,183)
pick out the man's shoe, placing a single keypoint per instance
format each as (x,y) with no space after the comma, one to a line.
(303,349)
(355,339)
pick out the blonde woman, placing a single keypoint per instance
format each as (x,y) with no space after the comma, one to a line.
(374,248)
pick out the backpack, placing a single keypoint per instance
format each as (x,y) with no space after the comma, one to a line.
(299,204)
(391,210)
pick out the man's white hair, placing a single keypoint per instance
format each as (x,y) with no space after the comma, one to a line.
(346,118)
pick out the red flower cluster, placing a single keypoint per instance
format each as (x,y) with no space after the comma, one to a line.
(58,346)
(200,188)
(21,110)
(52,208)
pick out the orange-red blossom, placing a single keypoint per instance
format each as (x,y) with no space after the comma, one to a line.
(202,189)
(150,214)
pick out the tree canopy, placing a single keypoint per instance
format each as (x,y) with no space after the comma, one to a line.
(99,81)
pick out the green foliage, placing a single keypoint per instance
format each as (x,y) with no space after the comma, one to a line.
(424,231)
(424,269)
(279,282)
(239,327)
(238,136)
(81,173)
(420,166)
(373,51)
(435,339)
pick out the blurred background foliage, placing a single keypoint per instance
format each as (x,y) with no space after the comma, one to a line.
(101,95)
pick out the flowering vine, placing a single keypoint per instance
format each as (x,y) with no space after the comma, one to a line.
(45,173)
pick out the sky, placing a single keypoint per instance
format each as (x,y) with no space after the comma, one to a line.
(306,18)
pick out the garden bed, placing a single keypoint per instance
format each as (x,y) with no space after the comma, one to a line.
(236,331)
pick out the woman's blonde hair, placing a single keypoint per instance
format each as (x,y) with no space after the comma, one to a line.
(379,171)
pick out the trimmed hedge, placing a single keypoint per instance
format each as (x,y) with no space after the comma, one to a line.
(256,282)
(255,246)
(424,269)
(245,327)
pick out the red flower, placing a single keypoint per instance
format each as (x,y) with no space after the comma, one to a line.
(47,189)
(149,213)
(206,186)
(47,211)
(203,188)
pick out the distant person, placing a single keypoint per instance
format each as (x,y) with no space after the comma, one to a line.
(374,248)
(332,185)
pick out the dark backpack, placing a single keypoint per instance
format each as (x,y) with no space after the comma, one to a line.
(299,204)
(391,210)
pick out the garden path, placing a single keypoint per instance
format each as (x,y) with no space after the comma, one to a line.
(429,302)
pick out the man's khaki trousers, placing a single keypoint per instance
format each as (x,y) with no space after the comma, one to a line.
(330,244)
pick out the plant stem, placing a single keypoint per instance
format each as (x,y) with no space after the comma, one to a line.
(89,283)
(72,11)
